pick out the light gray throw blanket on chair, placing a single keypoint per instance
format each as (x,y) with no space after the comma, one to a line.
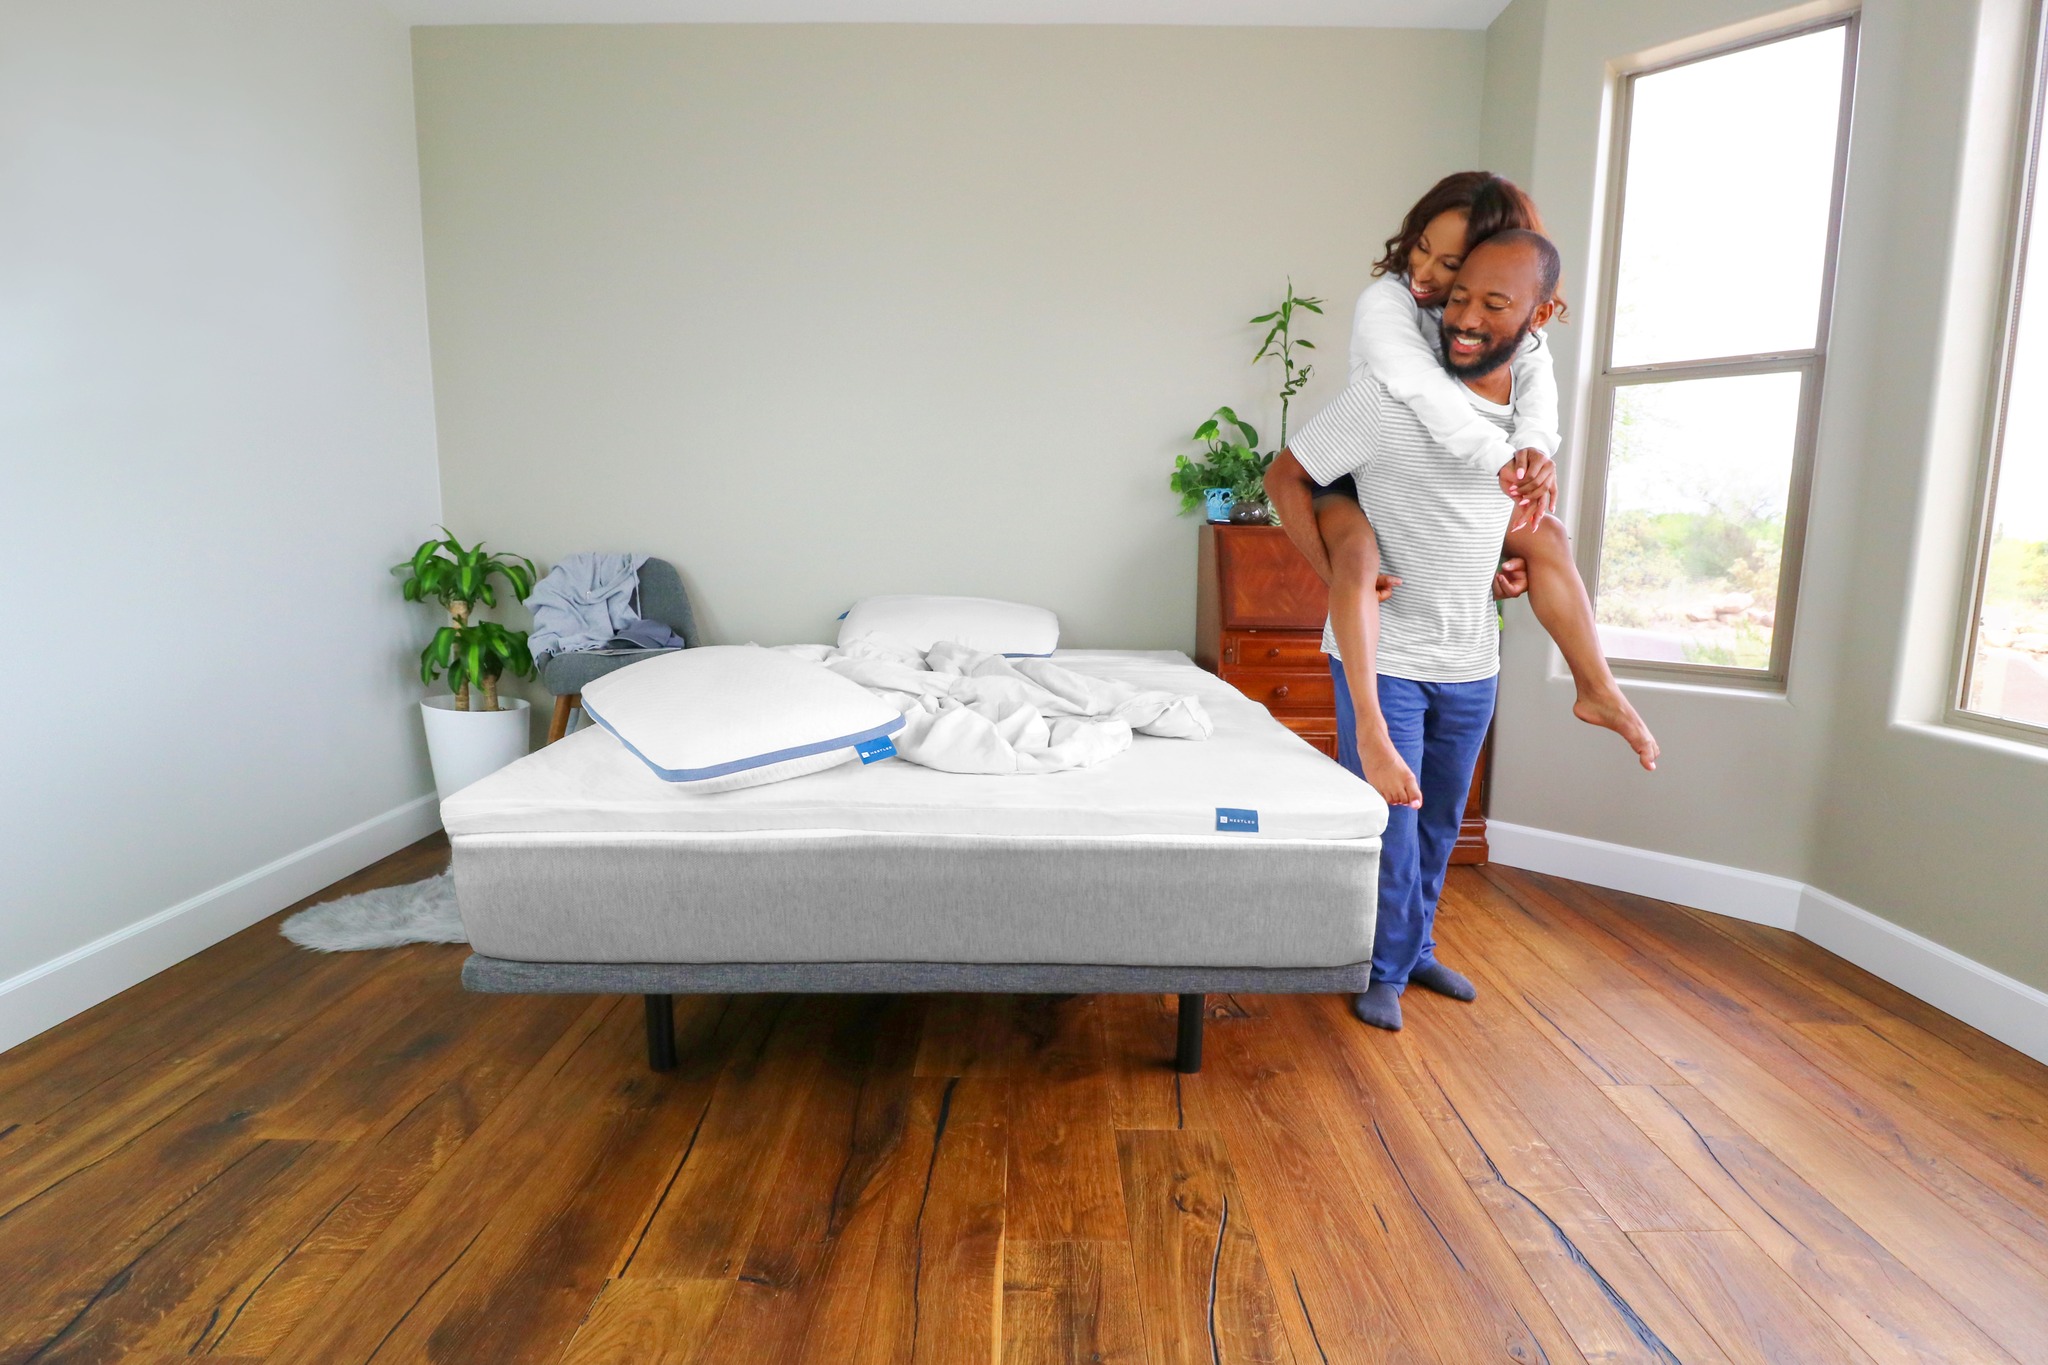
(587,601)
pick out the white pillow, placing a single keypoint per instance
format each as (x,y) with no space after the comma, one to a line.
(725,716)
(977,622)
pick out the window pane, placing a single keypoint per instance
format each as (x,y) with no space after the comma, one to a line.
(1731,168)
(2009,666)
(1698,472)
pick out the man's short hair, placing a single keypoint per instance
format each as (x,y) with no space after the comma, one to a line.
(1549,266)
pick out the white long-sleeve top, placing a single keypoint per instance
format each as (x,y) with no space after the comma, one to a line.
(1395,339)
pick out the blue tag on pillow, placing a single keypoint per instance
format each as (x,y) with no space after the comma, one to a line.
(1231,821)
(875,750)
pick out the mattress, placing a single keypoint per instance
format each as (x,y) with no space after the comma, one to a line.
(1246,849)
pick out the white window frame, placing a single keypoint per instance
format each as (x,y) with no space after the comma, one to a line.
(1810,363)
(2019,218)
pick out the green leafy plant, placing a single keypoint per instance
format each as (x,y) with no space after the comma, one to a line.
(1226,462)
(1235,463)
(468,650)
(1281,343)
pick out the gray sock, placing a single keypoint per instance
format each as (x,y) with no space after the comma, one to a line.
(1379,1005)
(1443,980)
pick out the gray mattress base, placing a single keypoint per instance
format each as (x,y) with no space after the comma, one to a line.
(497,974)
(903,898)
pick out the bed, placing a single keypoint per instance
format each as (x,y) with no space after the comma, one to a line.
(1245,862)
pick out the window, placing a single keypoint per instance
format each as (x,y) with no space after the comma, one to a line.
(2005,658)
(1721,227)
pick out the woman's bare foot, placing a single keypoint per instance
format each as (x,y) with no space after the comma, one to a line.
(1612,711)
(1387,771)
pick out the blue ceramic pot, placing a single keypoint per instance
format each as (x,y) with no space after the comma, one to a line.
(1218,500)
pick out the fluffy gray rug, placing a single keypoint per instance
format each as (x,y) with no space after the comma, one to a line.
(421,912)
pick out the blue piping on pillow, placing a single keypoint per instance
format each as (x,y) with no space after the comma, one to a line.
(890,727)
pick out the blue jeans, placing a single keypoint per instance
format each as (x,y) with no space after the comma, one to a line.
(1438,728)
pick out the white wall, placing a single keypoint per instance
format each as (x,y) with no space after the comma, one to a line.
(1936,830)
(820,311)
(1514,67)
(1843,782)
(217,430)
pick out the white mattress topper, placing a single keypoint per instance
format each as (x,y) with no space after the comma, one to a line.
(1251,772)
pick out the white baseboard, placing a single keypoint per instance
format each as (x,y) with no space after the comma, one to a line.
(53,991)
(2011,1011)
(1754,896)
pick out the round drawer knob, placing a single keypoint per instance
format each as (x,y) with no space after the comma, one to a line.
(1280,691)
(1273,653)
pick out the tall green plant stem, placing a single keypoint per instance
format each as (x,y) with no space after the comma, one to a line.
(458,612)
(1280,341)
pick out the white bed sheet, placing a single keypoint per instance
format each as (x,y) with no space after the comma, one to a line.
(1160,787)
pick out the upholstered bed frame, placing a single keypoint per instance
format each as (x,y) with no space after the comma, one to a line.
(1244,863)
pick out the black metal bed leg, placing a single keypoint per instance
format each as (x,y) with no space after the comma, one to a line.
(1187,1059)
(661,1032)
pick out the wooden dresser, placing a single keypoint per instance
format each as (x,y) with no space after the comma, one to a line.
(1259,613)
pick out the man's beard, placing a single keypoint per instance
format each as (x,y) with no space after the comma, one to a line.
(1488,360)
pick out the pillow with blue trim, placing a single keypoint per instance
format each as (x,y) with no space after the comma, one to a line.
(983,623)
(726,716)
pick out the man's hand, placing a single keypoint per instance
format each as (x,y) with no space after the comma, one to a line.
(1511,579)
(1383,586)
(1530,478)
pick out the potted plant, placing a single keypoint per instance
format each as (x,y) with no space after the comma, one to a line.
(467,742)
(1229,478)
(1229,469)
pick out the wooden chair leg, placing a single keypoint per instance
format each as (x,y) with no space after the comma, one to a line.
(564,704)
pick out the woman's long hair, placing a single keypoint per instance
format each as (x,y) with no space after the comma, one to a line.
(1491,203)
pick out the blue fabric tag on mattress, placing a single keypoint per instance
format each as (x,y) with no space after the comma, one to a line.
(1231,821)
(881,747)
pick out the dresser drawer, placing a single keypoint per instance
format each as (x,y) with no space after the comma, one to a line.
(1284,690)
(1320,731)
(1262,580)
(1251,649)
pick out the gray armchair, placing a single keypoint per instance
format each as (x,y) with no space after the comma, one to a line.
(661,598)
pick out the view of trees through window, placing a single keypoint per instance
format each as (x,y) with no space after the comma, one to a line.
(2007,676)
(1695,529)
(1727,196)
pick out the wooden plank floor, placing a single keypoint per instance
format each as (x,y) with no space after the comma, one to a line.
(1656,1136)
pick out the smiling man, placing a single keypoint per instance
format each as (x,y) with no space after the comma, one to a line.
(1440,524)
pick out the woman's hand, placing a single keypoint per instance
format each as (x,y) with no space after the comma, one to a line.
(1530,478)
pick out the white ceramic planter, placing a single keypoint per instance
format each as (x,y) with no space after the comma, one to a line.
(468,745)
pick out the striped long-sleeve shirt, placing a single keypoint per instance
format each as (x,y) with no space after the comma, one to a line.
(1439,521)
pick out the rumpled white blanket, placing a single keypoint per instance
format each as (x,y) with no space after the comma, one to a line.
(969,712)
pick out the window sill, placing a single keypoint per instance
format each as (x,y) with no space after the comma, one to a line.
(1706,684)
(1770,692)
(1955,733)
